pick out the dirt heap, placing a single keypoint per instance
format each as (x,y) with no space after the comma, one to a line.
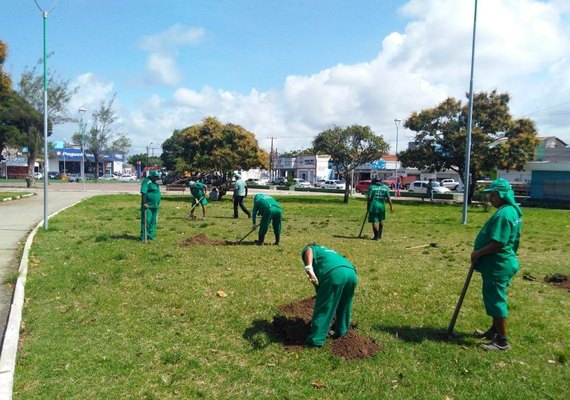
(201,239)
(558,280)
(295,324)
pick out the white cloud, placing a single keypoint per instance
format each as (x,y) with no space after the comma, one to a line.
(92,90)
(163,50)
(521,48)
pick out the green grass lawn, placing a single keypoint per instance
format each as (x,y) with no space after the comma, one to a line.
(13,195)
(107,317)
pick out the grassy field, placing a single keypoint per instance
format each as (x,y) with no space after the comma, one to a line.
(107,317)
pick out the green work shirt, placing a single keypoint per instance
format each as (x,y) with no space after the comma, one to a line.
(377,195)
(503,227)
(152,191)
(198,191)
(239,188)
(262,205)
(325,260)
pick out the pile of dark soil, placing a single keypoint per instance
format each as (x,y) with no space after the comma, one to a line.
(295,324)
(201,239)
(558,280)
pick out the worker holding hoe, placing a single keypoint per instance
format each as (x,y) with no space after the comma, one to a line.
(199,192)
(150,201)
(494,256)
(377,196)
(334,278)
(270,211)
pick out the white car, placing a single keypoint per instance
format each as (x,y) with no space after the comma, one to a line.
(301,182)
(334,184)
(128,177)
(107,177)
(38,175)
(421,187)
(319,183)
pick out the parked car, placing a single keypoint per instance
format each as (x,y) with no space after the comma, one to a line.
(301,182)
(54,175)
(451,184)
(335,184)
(363,186)
(280,181)
(128,177)
(319,183)
(38,175)
(73,177)
(89,176)
(421,187)
(389,182)
(256,181)
(108,177)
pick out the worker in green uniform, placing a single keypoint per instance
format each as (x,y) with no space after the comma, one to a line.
(334,278)
(199,192)
(494,256)
(270,211)
(377,196)
(150,202)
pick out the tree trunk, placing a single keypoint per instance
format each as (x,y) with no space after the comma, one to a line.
(30,180)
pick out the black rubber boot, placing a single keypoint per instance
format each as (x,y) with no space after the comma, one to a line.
(380,232)
(277,238)
(376,233)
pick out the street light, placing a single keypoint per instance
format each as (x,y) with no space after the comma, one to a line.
(397,122)
(82,139)
(63,152)
(45,15)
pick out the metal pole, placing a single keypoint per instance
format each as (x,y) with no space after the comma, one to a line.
(82,138)
(397,122)
(46,162)
(64,170)
(466,178)
(45,15)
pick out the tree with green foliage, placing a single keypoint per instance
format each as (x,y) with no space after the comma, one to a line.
(145,159)
(59,94)
(497,140)
(20,124)
(350,148)
(105,135)
(211,147)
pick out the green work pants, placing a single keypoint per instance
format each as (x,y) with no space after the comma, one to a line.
(151,216)
(334,297)
(274,215)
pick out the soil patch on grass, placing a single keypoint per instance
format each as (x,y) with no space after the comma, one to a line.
(293,326)
(558,280)
(201,239)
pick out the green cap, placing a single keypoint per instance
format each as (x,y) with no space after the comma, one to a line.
(499,185)
(154,173)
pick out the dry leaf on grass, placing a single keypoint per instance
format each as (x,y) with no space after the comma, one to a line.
(221,293)
(318,384)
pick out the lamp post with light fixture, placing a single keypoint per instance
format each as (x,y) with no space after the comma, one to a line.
(397,123)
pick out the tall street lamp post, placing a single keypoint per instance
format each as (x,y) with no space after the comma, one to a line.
(397,123)
(45,15)
(63,152)
(82,138)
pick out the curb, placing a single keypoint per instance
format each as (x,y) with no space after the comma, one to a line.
(18,197)
(12,334)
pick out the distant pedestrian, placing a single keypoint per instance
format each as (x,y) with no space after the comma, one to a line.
(377,196)
(429,190)
(494,256)
(334,278)
(199,192)
(150,202)
(240,193)
(270,211)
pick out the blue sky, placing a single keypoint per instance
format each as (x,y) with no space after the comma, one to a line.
(290,69)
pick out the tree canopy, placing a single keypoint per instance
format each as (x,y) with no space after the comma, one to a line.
(349,148)
(213,147)
(105,134)
(145,160)
(497,140)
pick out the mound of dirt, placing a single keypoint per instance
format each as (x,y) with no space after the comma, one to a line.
(294,326)
(558,280)
(201,239)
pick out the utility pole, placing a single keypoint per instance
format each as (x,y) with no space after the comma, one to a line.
(271,177)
